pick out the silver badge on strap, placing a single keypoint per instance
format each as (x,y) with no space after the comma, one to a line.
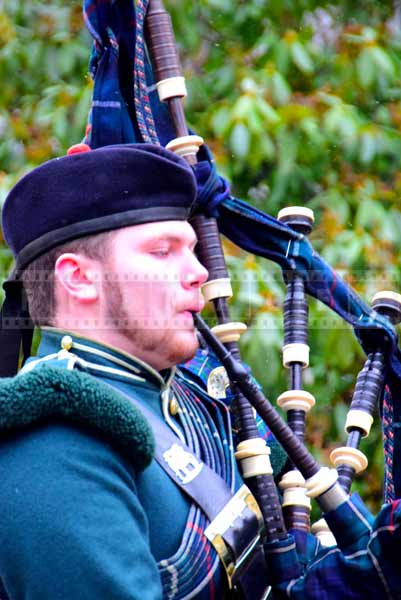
(185,466)
(217,383)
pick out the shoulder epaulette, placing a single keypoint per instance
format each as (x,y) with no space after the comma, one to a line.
(75,397)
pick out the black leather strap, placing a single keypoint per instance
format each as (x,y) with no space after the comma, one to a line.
(208,490)
(16,328)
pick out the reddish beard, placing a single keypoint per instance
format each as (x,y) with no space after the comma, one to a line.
(145,339)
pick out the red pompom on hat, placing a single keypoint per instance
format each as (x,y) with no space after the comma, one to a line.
(77,148)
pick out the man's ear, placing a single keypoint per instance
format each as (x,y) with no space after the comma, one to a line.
(77,275)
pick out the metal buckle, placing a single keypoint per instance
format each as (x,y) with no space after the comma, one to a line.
(230,517)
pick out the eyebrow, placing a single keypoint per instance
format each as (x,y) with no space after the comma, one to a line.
(175,239)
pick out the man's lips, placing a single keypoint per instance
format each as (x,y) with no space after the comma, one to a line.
(197,306)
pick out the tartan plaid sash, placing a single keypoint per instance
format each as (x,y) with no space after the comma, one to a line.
(207,432)
(194,570)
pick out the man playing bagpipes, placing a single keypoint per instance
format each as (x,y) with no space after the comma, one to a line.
(118,471)
(112,278)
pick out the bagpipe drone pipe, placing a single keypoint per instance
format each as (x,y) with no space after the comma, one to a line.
(139,99)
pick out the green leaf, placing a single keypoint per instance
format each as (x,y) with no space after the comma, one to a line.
(281,91)
(340,414)
(368,147)
(371,215)
(243,105)
(239,140)
(282,57)
(61,125)
(341,121)
(254,122)
(249,291)
(266,146)
(383,61)
(221,120)
(365,68)
(301,57)
(346,250)
(266,111)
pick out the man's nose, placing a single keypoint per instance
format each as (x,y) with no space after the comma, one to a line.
(196,274)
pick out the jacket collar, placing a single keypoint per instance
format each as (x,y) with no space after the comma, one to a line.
(101,358)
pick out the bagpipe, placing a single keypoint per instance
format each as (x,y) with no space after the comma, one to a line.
(138,92)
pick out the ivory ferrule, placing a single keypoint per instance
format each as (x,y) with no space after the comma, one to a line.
(187,145)
(322,532)
(296,400)
(254,456)
(332,498)
(173,87)
(321,481)
(229,332)
(301,211)
(294,492)
(295,353)
(387,295)
(217,288)
(351,457)
(359,419)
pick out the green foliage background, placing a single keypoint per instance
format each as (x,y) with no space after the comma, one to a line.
(300,102)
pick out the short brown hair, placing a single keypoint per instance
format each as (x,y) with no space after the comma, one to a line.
(38,277)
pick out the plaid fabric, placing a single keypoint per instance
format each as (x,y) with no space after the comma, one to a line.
(3,593)
(125,105)
(366,565)
(207,430)
(143,111)
(199,369)
(112,66)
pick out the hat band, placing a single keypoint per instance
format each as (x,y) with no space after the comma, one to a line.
(99,224)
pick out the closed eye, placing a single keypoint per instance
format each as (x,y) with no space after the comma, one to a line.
(161,253)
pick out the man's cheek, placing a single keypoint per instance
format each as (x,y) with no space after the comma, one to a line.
(165,301)
(152,304)
(140,298)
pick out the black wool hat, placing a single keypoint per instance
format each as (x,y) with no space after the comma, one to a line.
(78,195)
(95,191)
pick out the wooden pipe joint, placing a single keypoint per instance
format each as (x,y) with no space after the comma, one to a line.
(295,353)
(172,87)
(254,456)
(294,492)
(358,419)
(321,481)
(322,532)
(351,457)
(299,218)
(292,478)
(388,303)
(217,288)
(187,145)
(296,400)
(229,332)
(296,211)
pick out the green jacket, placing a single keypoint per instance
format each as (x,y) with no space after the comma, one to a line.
(85,513)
